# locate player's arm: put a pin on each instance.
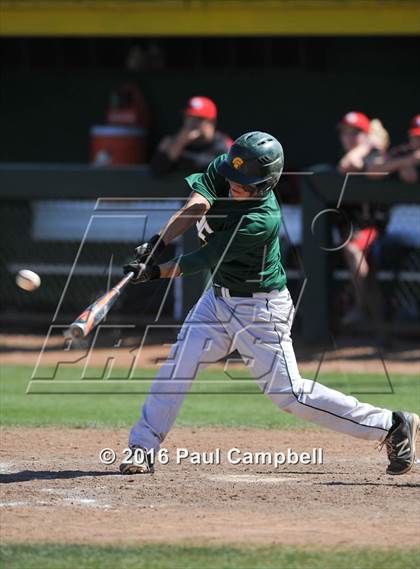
(149, 251)
(203, 194)
(389, 165)
(222, 246)
(184, 218)
(354, 160)
(145, 266)
(169, 270)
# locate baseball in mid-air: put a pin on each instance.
(28, 280)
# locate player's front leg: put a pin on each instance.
(201, 342)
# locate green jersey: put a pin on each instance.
(241, 237)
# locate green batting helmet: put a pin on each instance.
(255, 161)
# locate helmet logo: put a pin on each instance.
(237, 162)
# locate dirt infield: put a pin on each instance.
(54, 489)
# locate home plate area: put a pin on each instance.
(55, 489)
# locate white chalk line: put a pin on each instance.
(251, 478)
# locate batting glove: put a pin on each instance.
(142, 273)
(149, 251)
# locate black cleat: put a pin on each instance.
(400, 442)
(139, 462)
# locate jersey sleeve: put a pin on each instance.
(223, 246)
(209, 183)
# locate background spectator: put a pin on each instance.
(395, 249)
(363, 141)
(353, 133)
(404, 159)
(196, 144)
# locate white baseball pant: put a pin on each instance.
(259, 328)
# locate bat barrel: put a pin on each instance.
(97, 311)
(77, 331)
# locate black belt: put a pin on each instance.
(218, 292)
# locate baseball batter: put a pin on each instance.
(247, 308)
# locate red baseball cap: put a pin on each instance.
(201, 107)
(356, 120)
(414, 129)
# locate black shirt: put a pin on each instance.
(194, 158)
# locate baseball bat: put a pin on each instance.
(97, 311)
